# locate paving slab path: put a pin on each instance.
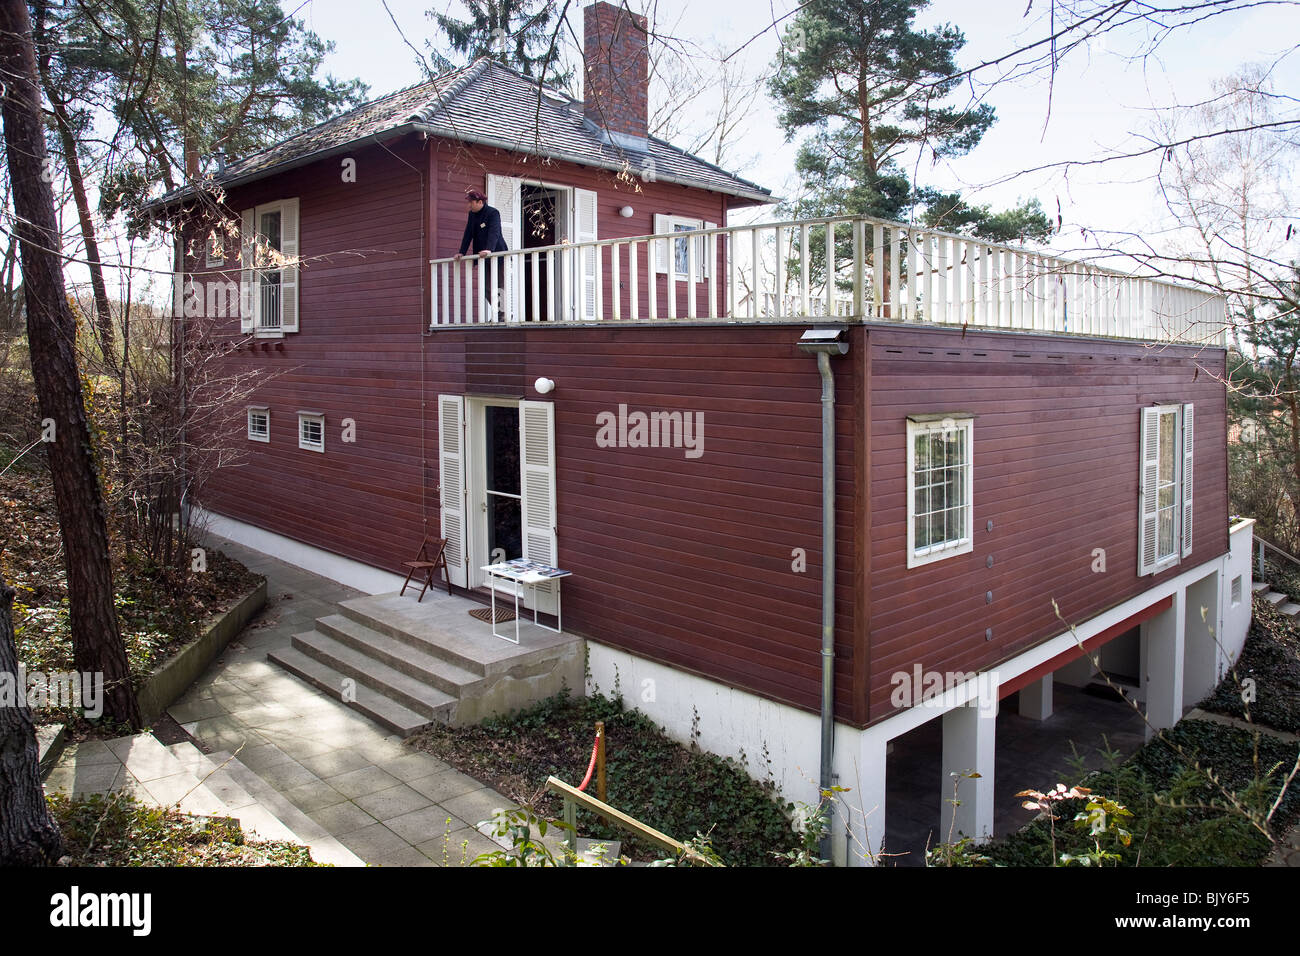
(299, 750)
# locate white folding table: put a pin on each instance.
(530, 574)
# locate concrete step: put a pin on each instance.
(401, 688)
(256, 821)
(163, 780)
(324, 848)
(385, 712)
(1274, 597)
(410, 636)
(1259, 586)
(1290, 608)
(403, 656)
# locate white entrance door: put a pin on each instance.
(495, 486)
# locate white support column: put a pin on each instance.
(863, 806)
(1162, 665)
(1200, 671)
(969, 736)
(1036, 699)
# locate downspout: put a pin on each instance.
(824, 343)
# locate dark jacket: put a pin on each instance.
(483, 232)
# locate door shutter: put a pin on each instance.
(584, 230)
(537, 482)
(662, 224)
(503, 194)
(289, 274)
(1148, 507)
(1187, 479)
(451, 478)
(247, 281)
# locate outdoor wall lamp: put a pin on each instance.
(544, 386)
(626, 212)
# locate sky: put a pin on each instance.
(1101, 100)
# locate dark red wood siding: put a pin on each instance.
(1055, 470)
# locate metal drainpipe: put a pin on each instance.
(824, 343)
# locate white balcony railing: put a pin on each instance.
(878, 270)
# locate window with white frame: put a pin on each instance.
(216, 254)
(311, 431)
(940, 479)
(259, 424)
(269, 267)
(1165, 501)
(680, 250)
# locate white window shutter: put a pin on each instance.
(505, 196)
(1148, 497)
(537, 482)
(709, 262)
(584, 230)
(1187, 479)
(289, 274)
(451, 478)
(662, 224)
(247, 277)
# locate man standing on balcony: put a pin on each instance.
(483, 230)
(483, 234)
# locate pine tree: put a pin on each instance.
(517, 33)
(872, 90)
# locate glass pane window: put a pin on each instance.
(939, 488)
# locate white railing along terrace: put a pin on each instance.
(879, 271)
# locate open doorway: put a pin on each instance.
(495, 495)
(545, 212)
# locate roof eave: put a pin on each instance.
(755, 196)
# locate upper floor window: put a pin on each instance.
(311, 431)
(940, 479)
(269, 259)
(216, 252)
(259, 423)
(1165, 527)
(680, 249)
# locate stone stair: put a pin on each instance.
(407, 664)
(196, 783)
(1278, 599)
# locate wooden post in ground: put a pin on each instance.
(600, 761)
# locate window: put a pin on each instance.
(940, 477)
(1165, 503)
(311, 431)
(216, 250)
(259, 424)
(1236, 590)
(680, 251)
(269, 254)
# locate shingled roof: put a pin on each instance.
(490, 104)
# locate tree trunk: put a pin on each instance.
(97, 643)
(28, 835)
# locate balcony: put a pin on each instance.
(835, 269)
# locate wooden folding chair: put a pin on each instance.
(427, 563)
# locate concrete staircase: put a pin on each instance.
(407, 665)
(1279, 600)
(196, 783)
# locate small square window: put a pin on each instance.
(259, 424)
(1236, 590)
(940, 496)
(311, 431)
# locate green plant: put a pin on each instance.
(518, 824)
(1102, 817)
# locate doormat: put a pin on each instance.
(484, 614)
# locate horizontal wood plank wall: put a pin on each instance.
(688, 561)
(1056, 471)
(357, 356)
(461, 167)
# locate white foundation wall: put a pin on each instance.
(308, 557)
(1235, 616)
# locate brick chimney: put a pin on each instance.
(617, 67)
